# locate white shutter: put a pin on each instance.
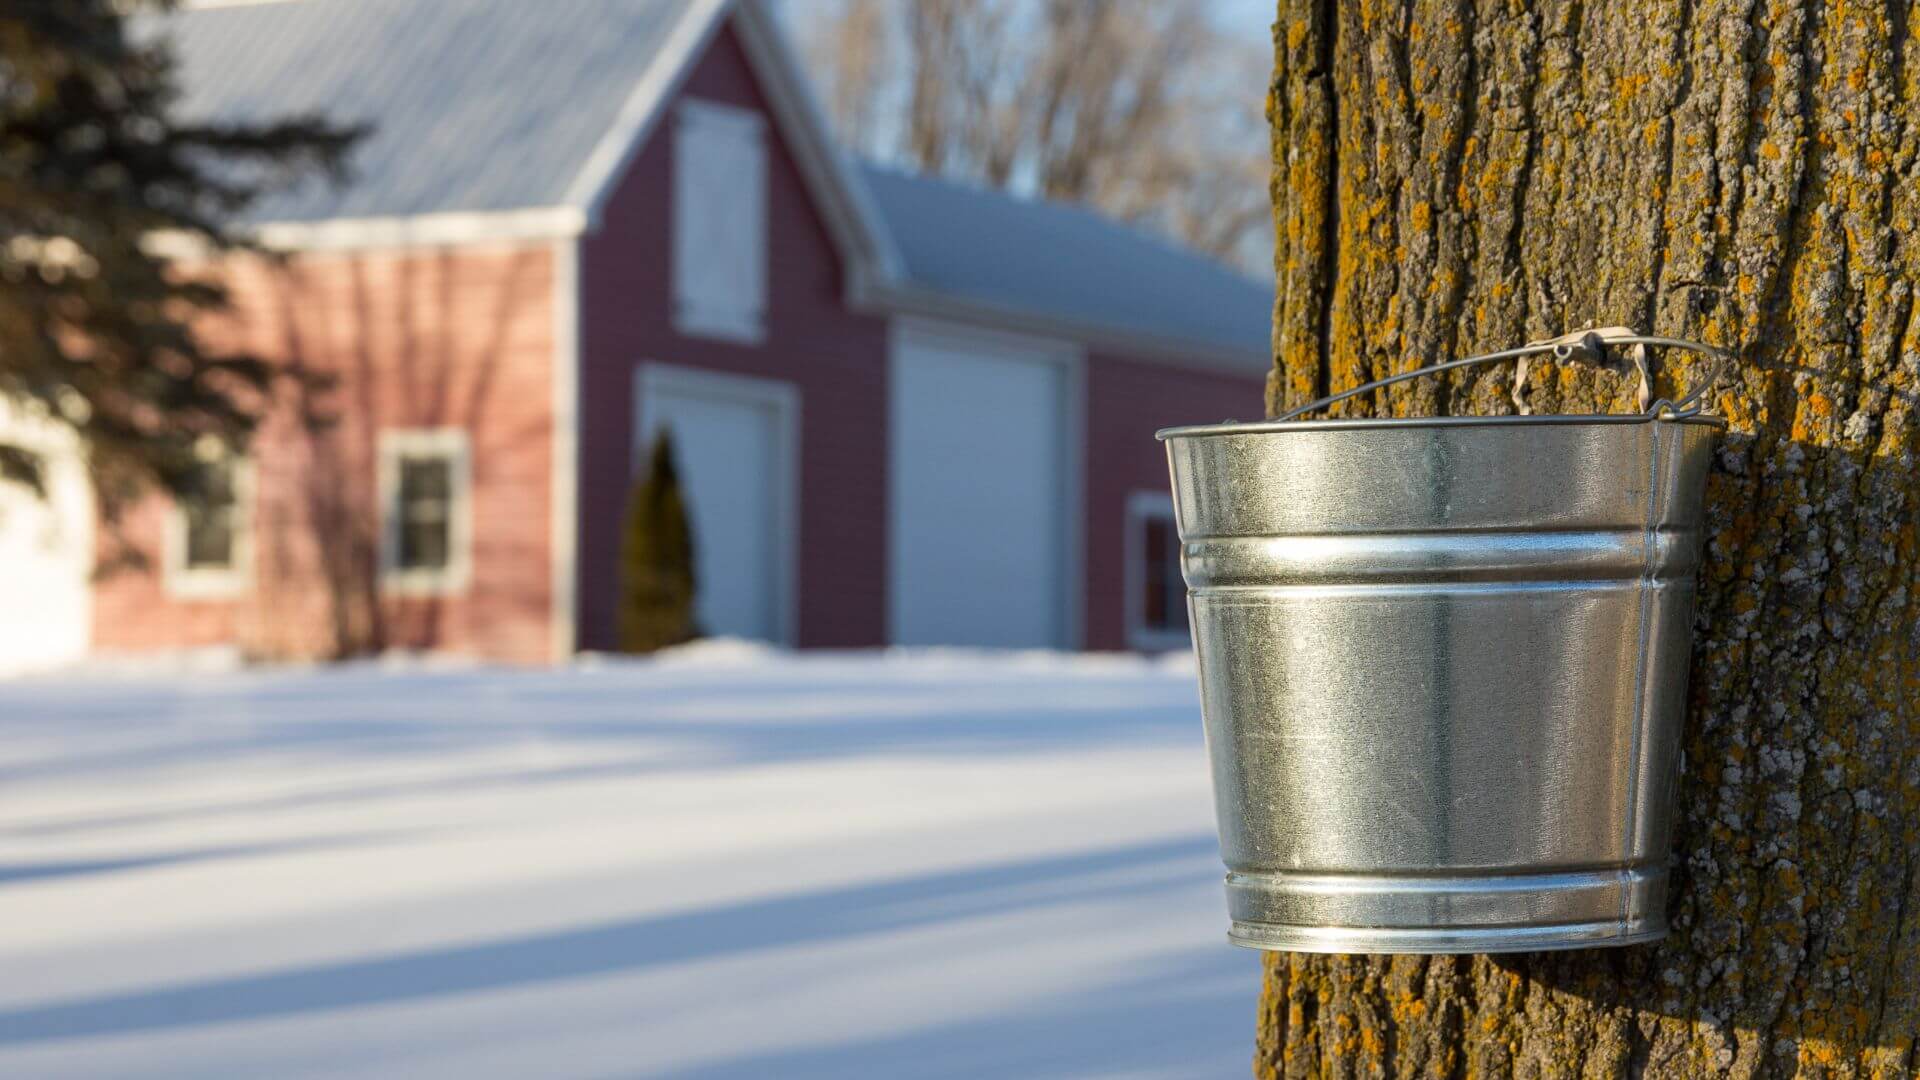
(719, 222)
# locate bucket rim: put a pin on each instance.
(1277, 427)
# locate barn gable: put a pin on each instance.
(781, 430)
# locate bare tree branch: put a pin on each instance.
(1146, 111)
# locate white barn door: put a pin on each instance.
(735, 440)
(984, 491)
(46, 552)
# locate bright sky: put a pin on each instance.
(1255, 17)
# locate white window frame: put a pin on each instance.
(457, 446)
(781, 398)
(208, 582)
(742, 322)
(1142, 507)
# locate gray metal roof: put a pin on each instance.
(1062, 261)
(494, 105)
(477, 105)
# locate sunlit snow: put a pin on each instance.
(728, 863)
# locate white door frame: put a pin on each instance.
(782, 399)
(903, 334)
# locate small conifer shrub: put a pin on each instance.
(657, 580)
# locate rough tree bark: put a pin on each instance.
(1452, 176)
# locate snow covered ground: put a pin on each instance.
(728, 863)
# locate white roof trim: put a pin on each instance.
(685, 44)
(836, 185)
(913, 300)
(419, 230)
(538, 223)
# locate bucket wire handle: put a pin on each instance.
(1592, 343)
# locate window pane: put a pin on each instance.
(423, 546)
(209, 540)
(425, 513)
(1163, 595)
(425, 478)
(1153, 607)
(210, 512)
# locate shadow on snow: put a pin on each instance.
(638, 944)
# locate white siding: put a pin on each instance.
(719, 222)
(46, 552)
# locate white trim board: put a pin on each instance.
(914, 303)
(838, 193)
(419, 230)
(564, 446)
(782, 399)
(686, 43)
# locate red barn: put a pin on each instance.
(906, 411)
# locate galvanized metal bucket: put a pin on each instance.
(1443, 666)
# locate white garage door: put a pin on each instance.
(46, 553)
(734, 440)
(981, 486)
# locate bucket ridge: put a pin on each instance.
(1439, 556)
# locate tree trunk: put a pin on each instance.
(1454, 177)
